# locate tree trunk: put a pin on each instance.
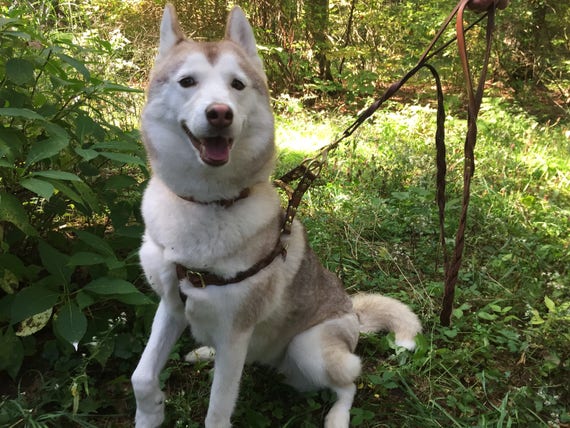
(316, 23)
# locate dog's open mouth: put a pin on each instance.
(214, 151)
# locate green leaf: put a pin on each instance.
(23, 113)
(11, 210)
(135, 299)
(486, 316)
(96, 242)
(40, 187)
(84, 258)
(11, 353)
(536, 318)
(57, 175)
(550, 304)
(119, 182)
(34, 324)
(31, 301)
(110, 286)
(121, 146)
(84, 299)
(47, 148)
(70, 324)
(20, 71)
(124, 158)
(55, 263)
(70, 193)
(78, 65)
(86, 154)
(90, 199)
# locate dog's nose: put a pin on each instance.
(219, 115)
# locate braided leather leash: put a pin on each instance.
(308, 171)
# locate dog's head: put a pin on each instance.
(208, 110)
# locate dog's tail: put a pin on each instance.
(376, 312)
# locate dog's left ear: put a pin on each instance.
(170, 31)
(239, 31)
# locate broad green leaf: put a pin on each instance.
(486, 316)
(34, 324)
(109, 286)
(84, 258)
(121, 146)
(70, 324)
(70, 193)
(78, 65)
(95, 242)
(536, 318)
(118, 182)
(84, 299)
(90, 199)
(20, 71)
(101, 350)
(31, 301)
(11, 210)
(114, 87)
(135, 299)
(550, 304)
(87, 154)
(55, 130)
(55, 263)
(47, 148)
(11, 353)
(14, 264)
(12, 142)
(23, 113)
(123, 158)
(57, 175)
(40, 187)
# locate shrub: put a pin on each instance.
(70, 186)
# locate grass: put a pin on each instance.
(372, 219)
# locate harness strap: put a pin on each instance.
(201, 279)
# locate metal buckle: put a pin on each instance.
(196, 278)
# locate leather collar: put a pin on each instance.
(225, 203)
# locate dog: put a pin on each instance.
(213, 249)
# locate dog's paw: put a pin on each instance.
(150, 405)
(146, 419)
(217, 422)
(205, 353)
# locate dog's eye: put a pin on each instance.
(238, 84)
(187, 82)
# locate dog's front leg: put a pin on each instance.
(167, 326)
(228, 368)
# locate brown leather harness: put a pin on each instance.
(308, 171)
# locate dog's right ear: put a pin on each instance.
(170, 32)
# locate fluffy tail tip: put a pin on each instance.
(409, 344)
(377, 312)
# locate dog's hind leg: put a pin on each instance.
(322, 357)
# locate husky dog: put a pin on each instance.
(213, 248)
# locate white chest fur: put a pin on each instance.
(209, 237)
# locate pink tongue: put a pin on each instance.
(216, 149)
